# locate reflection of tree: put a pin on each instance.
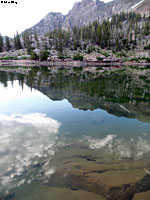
(114, 89)
(20, 78)
(4, 78)
(89, 91)
(10, 76)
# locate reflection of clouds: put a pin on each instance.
(100, 143)
(24, 140)
(120, 148)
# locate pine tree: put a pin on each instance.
(147, 28)
(36, 39)
(27, 42)
(7, 44)
(17, 42)
(1, 43)
(123, 31)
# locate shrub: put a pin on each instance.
(105, 54)
(78, 57)
(34, 56)
(44, 55)
(61, 56)
(135, 59)
(99, 58)
(147, 47)
(147, 59)
(121, 54)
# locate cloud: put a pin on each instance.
(120, 148)
(24, 141)
(100, 143)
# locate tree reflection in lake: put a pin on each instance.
(90, 139)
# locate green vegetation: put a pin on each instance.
(43, 55)
(17, 42)
(134, 59)
(99, 58)
(147, 47)
(78, 57)
(147, 59)
(138, 59)
(121, 54)
(1, 43)
(111, 37)
(61, 55)
(104, 53)
(124, 84)
(9, 58)
(7, 44)
(34, 56)
(122, 32)
(27, 41)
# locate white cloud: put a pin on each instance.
(120, 148)
(100, 143)
(24, 140)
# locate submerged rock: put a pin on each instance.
(9, 196)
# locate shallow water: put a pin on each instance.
(73, 135)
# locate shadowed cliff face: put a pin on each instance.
(121, 93)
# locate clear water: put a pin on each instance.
(55, 125)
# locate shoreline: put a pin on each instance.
(35, 63)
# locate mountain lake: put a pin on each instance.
(72, 134)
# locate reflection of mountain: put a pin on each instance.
(119, 93)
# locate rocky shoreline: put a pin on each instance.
(36, 63)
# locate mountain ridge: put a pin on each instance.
(84, 13)
(144, 8)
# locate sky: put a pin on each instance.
(26, 13)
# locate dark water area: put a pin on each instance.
(74, 134)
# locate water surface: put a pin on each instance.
(74, 134)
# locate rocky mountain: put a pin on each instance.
(143, 7)
(86, 12)
(124, 5)
(50, 22)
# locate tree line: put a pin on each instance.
(122, 31)
(7, 43)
